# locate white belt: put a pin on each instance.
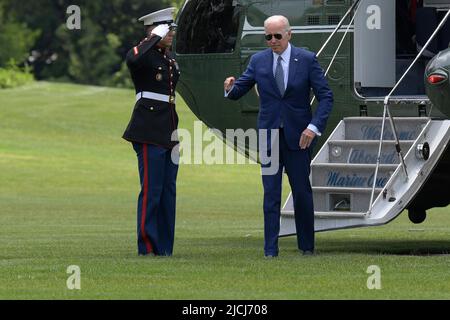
(155, 96)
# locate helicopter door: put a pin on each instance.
(207, 50)
(374, 47)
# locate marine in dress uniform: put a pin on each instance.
(155, 73)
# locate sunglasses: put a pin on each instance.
(277, 36)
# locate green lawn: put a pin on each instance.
(68, 190)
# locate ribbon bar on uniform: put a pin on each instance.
(155, 96)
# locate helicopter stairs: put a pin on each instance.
(343, 171)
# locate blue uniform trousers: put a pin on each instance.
(156, 202)
(297, 164)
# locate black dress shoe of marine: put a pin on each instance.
(308, 253)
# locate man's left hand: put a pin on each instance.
(306, 138)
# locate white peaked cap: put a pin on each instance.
(158, 17)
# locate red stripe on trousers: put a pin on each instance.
(148, 245)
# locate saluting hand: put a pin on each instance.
(161, 30)
(306, 138)
(229, 83)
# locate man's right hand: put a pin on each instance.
(229, 83)
(161, 30)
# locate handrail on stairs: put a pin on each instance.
(338, 27)
(353, 6)
(387, 112)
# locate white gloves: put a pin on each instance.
(161, 30)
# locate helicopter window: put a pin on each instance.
(313, 20)
(208, 26)
(334, 19)
(335, 2)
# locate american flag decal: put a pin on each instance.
(135, 49)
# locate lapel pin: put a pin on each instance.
(295, 59)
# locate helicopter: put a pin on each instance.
(385, 148)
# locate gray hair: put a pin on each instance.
(278, 18)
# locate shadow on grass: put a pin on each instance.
(386, 246)
(253, 246)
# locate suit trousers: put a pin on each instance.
(297, 165)
(157, 199)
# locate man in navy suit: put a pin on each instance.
(285, 76)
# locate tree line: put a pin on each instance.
(35, 34)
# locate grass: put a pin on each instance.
(68, 190)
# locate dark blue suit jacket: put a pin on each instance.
(293, 108)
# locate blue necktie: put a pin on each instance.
(279, 76)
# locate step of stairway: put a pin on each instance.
(365, 151)
(347, 175)
(328, 199)
(369, 128)
(328, 214)
(340, 214)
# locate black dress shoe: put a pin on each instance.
(308, 253)
(269, 256)
(150, 254)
